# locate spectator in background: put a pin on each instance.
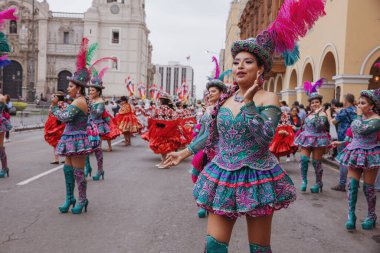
(7, 115)
(284, 107)
(343, 120)
(295, 122)
(302, 112)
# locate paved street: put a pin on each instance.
(142, 209)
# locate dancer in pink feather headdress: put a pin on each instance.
(244, 178)
(313, 137)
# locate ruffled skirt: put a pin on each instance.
(243, 192)
(164, 136)
(5, 125)
(53, 131)
(360, 158)
(114, 131)
(128, 123)
(103, 127)
(283, 145)
(74, 144)
(306, 140)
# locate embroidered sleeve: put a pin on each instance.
(262, 123)
(368, 127)
(66, 115)
(98, 110)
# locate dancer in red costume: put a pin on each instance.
(114, 130)
(53, 127)
(127, 120)
(283, 141)
(164, 134)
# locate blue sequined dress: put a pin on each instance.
(96, 112)
(244, 177)
(314, 133)
(5, 124)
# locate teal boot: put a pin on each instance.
(370, 222)
(213, 246)
(352, 195)
(88, 168)
(70, 182)
(255, 248)
(304, 166)
(317, 164)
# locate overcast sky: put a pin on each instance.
(179, 28)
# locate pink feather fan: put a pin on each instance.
(217, 69)
(294, 19)
(8, 14)
(313, 87)
(102, 72)
(82, 55)
(102, 60)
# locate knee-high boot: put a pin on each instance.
(70, 183)
(88, 168)
(255, 248)
(82, 190)
(99, 159)
(304, 166)
(317, 164)
(214, 246)
(369, 192)
(352, 197)
(4, 163)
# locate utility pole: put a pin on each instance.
(32, 61)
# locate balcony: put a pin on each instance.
(63, 49)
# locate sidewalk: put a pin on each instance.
(30, 122)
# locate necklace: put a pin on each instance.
(238, 99)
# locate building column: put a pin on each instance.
(353, 84)
(41, 84)
(301, 96)
(327, 91)
(289, 96)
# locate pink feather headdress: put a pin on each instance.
(311, 88)
(217, 69)
(8, 14)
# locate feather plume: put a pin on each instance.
(91, 52)
(4, 45)
(4, 61)
(95, 73)
(307, 86)
(224, 74)
(293, 21)
(102, 72)
(82, 55)
(101, 60)
(291, 57)
(310, 88)
(8, 14)
(217, 69)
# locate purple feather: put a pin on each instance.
(317, 85)
(217, 69)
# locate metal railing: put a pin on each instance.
(30, 119)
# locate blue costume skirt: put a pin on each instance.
(243, 192)
(74, 144)
(359, 158)
(307, 140)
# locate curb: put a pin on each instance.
(28, 128)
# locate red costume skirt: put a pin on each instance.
(53, 131)
(128, 123)
(114, 130)
(164, 136)
(187, 130)
(283, 145)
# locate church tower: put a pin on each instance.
(120, 29)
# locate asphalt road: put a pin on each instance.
(139, 208)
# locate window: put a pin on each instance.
(176, 70)
(161, 71)
(115, 64)
(111, 1)
(168, 81)
(183, 75)
(66, 38)
(115, 36)
(13, 27)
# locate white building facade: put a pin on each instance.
(118, 26)
(170, 77)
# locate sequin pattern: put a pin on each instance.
(314, 133)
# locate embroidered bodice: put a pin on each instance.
(75, 119)
(97, 111)
(203, 133)
(125, 108)
(243, 140)
(316, 125)
(364, 134)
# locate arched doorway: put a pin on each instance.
(307, 74)
(12, 80)
(328, 70)
(278, 85)
(293, 80)
(63, 83)
(374, 82)
(271, 85)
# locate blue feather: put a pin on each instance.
(225, 73)
(291, 57)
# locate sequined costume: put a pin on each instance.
(244, 178)
(96, 112)
(54, 128)
(127, 120)
(5, 125)
(74, 140)
(164, 134)
(314, 133)
(283, 141)
(363, 149)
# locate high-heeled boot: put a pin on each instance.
(88, 168)
(317, 164)
(70, 183)
(304, 166)
(4, 163)
(82, 189)
(255, 248)
(352, 197)
(99, 159)
(214, 246)
(370, 221)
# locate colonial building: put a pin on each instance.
(342, 47)
(118, 26)
(170, 77)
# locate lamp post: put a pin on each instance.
(32, 61)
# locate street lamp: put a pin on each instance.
(32, 60)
